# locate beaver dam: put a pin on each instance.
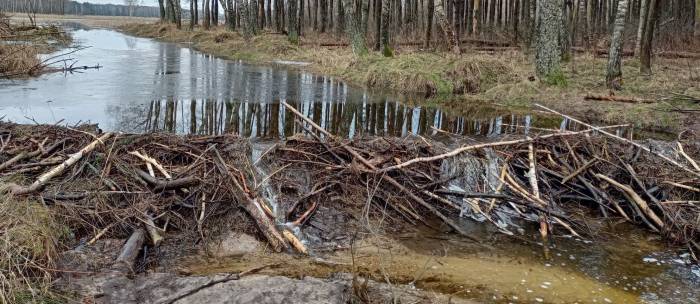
(542, 215)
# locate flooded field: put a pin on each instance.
(149, 86)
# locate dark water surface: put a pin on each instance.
(146, 85)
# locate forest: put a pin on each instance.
(554, 28)
(70, 7)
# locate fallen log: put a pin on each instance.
(162, 185)
(132, 247)
(625, 99)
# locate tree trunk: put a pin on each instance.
(429, 22)
(447, 28)
(648, 37)
(292, 30)
(640, 27)
(589, 23)
(196, 12)
(475, 18)
(354, 29)
(387, 51)
(161, 6)
(206, 22)
(613, 77)
(548, 48)
(246, 24)
(231, 22)
(191, 15)
(377, 25)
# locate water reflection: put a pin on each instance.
(273, 121)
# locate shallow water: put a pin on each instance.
(146, 85)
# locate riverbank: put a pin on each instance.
(113, 217)
(504, 78)
(22, 44)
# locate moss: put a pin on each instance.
(387, 51)
(556, 78)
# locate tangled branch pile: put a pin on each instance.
(142, 186)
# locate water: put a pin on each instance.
(146, 86)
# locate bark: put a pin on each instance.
(429, 22)
(547, 44)
(447, 28)
(161, 6)
(191, 15)
(613, 78)
(377, 25)
(230, 15)
(387, 51)
(206, 23)
(648, 36)
(354, 29)
(640, 27)
(589, 23)
(475, 18)
(245, 19)
(292, 26)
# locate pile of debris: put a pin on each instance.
(144, 185)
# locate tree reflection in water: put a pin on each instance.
(272, 121)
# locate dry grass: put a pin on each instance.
(29, 243)
(4, 24)
(18, 59)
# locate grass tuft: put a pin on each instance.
(29, 242)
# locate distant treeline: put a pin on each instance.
(66, 7)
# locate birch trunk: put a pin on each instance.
(613, 77)
(547, 44)
(643, 9)
(354, 29)
(447, 28)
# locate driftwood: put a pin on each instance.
(130, 250)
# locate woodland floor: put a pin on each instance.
(502, 78)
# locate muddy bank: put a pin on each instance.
(315, 205)
(505, 78)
